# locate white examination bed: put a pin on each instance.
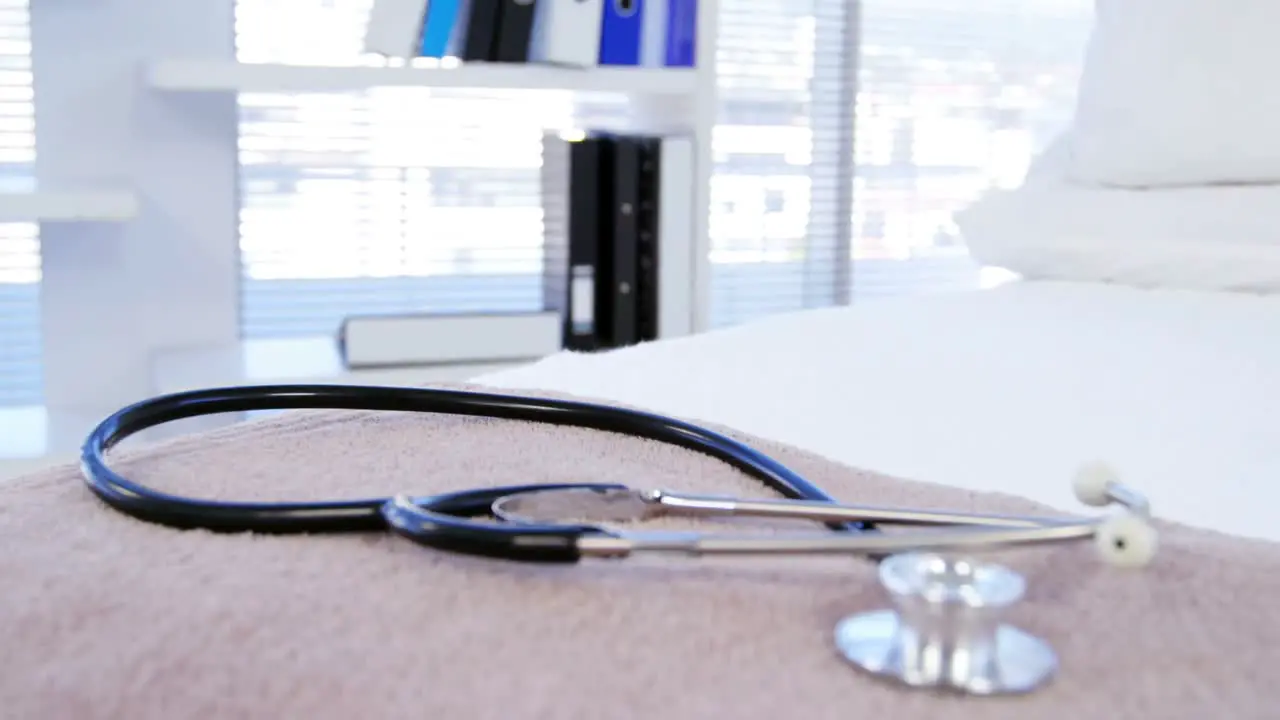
(1004, 390)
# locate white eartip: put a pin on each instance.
(1092, 483)
(1126, 541)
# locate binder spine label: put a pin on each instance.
(582, 300)
(653, 34)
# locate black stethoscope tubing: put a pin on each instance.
(162, 508)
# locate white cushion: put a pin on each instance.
(1180, 92)
(1192, 238)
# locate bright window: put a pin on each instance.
(20, 377)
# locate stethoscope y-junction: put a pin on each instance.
(945, 631)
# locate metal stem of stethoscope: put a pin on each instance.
(696, 543)
(1126, 539)
(944, 630)
(706, 505)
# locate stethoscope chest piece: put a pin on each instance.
(945, 630)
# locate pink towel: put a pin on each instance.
(103, 616)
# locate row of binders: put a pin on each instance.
(618, 263)
(625, 225)
(575, 33)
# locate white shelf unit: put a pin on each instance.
(159, 115)
(35, 206)
(182, 75)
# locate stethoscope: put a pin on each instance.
(945, 631)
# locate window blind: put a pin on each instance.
(413, 199)
(389, 200)
(784, 83)
(913, 108)
(847, 134)
(20, 348)
(954, 98)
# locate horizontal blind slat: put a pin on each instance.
(385, 200)
(774, 90)
(954, 100)
(21, 377)
(352, 188)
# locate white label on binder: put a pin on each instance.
(582, 299)
(653, 33)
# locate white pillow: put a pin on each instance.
(1217, 238)
(1180, 92)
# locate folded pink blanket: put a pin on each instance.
(103, 616)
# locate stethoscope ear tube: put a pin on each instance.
(223, 517)
(365, 514)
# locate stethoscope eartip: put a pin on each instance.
(1126, 541)
(1093, 482)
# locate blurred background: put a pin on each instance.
(926, 104)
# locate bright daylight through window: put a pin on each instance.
(411, 199)
(838, 164)
(20, 378)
